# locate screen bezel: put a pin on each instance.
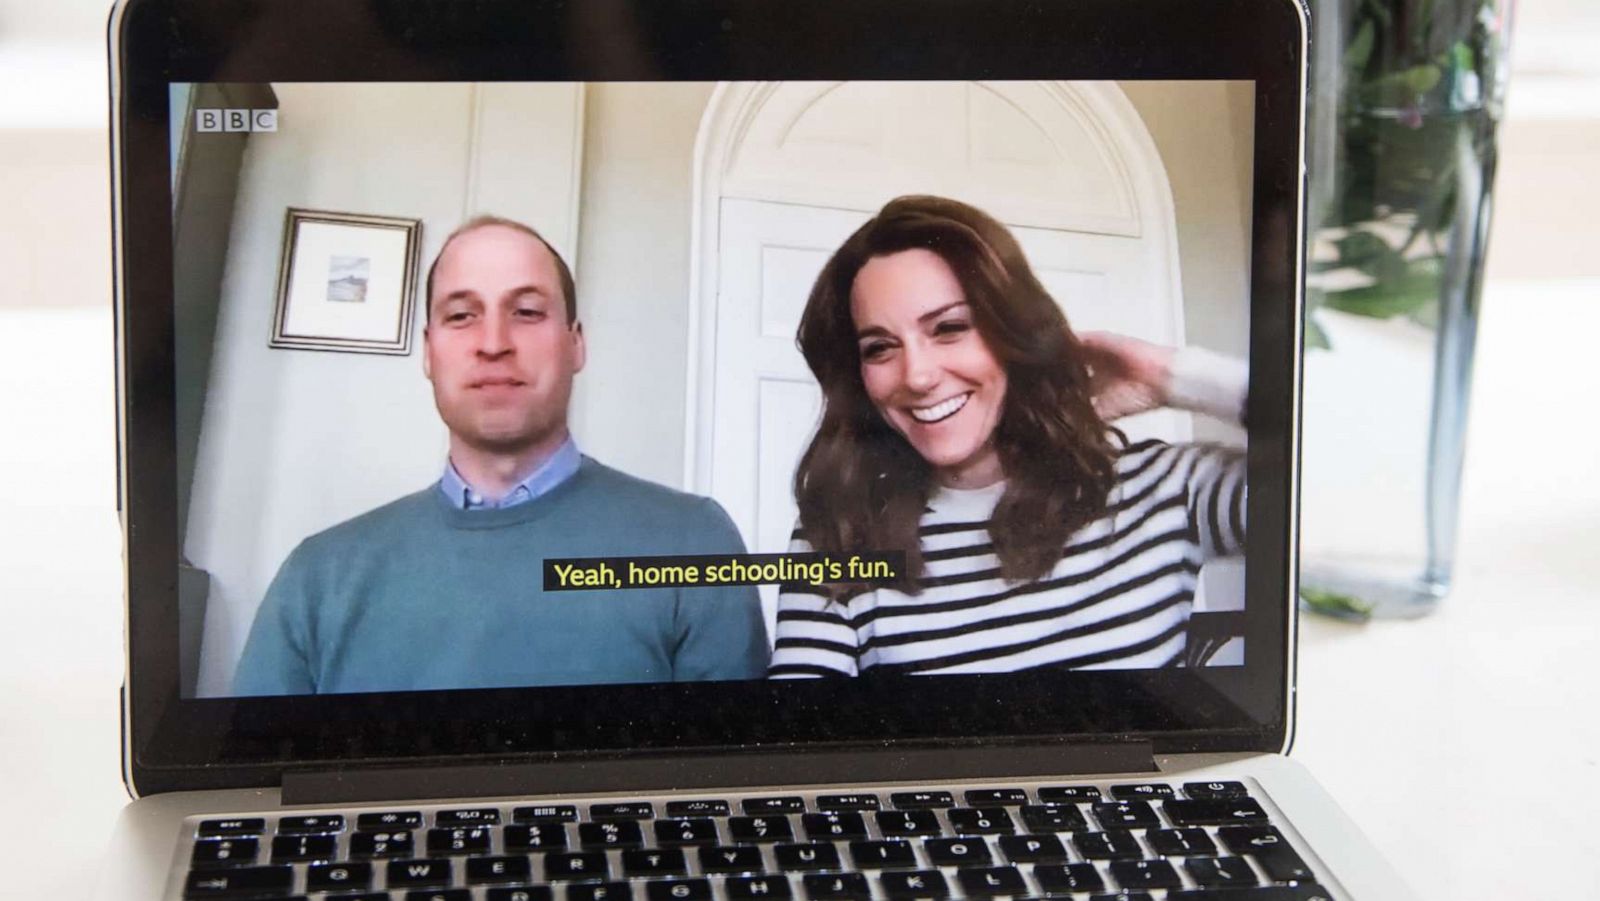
(175, 744)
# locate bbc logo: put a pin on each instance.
(208, 120)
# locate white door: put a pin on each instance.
(765, 402)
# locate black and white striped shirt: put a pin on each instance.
(1119, 597)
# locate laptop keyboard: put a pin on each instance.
(1149, 841)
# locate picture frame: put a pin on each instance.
(346, 282)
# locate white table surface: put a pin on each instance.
(1459, 740)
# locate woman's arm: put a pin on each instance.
(812, 636)
(1130, 376)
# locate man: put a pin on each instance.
(444, 588)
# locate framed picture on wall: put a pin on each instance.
(347, 282)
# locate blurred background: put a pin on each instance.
(1455, 740)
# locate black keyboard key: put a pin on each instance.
(731, 859)
(224, 852)
(980, 821)
(1221, 872)
(382, 844)
(475, 816)
(577, 865)
(1054, 818)
(1283, 865)
(249, 826)
(1221, 812)
(678, 890)
(914, 884)
(286, 848)
(1126, 815)
(699, 831)
(882, 855)
(760, 829)
(1180, 842)
(807, 857)
(1265, 893)
(760, 806)
(546, 813)
(1072, 877)
(418, 873)
(390, 820)
(838, 825)
(654, 862)
(991, 882)
(519, 893)
(486, 870)
(613, 834)
(468, 840)
(1131, 874)
(836, 887)
(244, 882)
(908, 822)
(631, 810)
(326, 822)
(441, 894)
(1067, 794)
(698, 808)
(990, 797)
(360, 896)
(536, 837)
(957, 852)
(922, 800)
(1143, 791)
(1201, 791)
(338, 877)
(757, 888)
(847, 802)
(1251, 839)
(1114, 844)
(599, 891)
(1122, 896)
(1033, 848)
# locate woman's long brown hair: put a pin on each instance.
(861, 486)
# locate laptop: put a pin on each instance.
(692, 450)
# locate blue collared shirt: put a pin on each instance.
(552, 472)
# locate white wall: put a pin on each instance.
(634, 293)
(295, 441)
(1205, 132)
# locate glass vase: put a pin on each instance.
(1402, 194)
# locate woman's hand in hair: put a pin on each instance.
(1126, 375)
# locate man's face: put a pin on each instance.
(499, 349)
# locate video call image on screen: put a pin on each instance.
(497, 385)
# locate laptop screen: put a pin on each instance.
(531, 384)
(481, 402)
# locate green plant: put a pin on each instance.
(1412, 108)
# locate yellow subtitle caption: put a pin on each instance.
(815, 570)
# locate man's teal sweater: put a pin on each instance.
(419, 595)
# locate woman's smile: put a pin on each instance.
(940, 411)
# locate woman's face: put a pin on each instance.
(926, 369)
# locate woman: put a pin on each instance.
(966, 425)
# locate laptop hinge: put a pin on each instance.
(732, 771)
